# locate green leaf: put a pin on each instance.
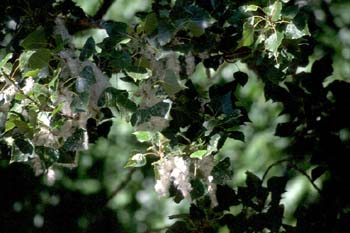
(250, 8)
(195, 28)
(80, 102)
(137, 160)
(39, 59)
(143, 115)
(116, 29)
(197, 189)
(292, 32)
(116, 98)
(143, 136)
(236, 135)
(151, 23)
(172, 84)
(248, 34)
(32, 73)
(24, 146)
(222, 171)
(198, 154)
(276, 186)
(253, 181)
(275, 10)
(47, 154)
(5, 59)
(215, 143)
(74, 142)
(178, 227)
(85, 80)
(273, 42)
(138, 73)
(88, 49)
(35, 40)
(57, 108)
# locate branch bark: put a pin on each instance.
(103, 9)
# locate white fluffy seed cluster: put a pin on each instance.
(206, 165)
(173, 169)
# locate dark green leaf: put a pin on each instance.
(236, 135)
(196, 213)
(178, 227)
(197, 189)
(85, 80)
(116, 98)
(151, 23)
(24, 146)
(222, 172)
(143, 115)
(75, 142)
(322, 68)
(80, 102)
(88, 49)
(116, 29)
(276, 186)
(47, 154)
(285, 129)
(253, 181)
(39, 59)
(35, 40)
(317, 172)
(226, 197)
(241, 77)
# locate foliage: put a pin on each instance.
(57, 99)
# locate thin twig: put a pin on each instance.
(295, 167)
(308, 177)
(272, 165)
(121, 185)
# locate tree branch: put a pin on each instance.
(103, 9)
(271, 166)
(121, 186)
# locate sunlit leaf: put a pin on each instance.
(273, 42)
(5, 59)
(292, 32)
(198, 154)
(250, 8)
(138, 73)
(137, 160)
(274, 10)
(143, 136)
(248, 34)
(32, 73)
